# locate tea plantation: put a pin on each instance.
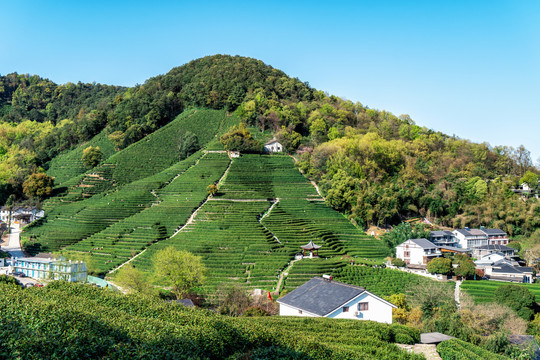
(68, 321)
(484, 290)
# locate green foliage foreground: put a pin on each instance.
(70, 321)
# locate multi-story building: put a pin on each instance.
(496, 236)
(443, 238)
(417, 251)
(53, 269)
(470, 238)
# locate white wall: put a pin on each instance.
(416, 253)
(285, 310)
(377, 310)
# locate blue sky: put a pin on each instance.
(469, 68)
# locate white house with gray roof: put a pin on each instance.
(470, 238)
(332, 299)
(417, 251)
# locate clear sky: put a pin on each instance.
(469, 68)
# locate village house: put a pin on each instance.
(417, 251)
(470, 238)
(497, 267)
(273, 146)
(484, 250)
(324, 297)
(54, 269)
(496, 236)
(443, 238)
(25, 215)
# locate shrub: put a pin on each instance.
(397, 262)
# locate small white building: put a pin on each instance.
(321, 297)
(25, 215)
(53, 269)
(470, 238)
(417, 251)
(273, 146)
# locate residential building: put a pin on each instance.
(497, 267)
(417, 251)
(470, 238)
(273, 146)
(54, 269)
(484, 250)
(496, 236)
(443, 238)
(25, 215)
(323, 297)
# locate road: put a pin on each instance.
(14, 244)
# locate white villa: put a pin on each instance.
(417, 251)
(54, 269)
(273, 146)
(323, 297)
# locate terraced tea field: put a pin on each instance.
(484, 290)
(176, 202)
(234, 246)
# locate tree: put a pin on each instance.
(180, 269)
(38, 185)
(530, 179)
(212, 189)
(518, 298)
(233, 300)
(465, 268)
(132, 280)
(187, 144)
(91, 156)
(397, 262)
(239, 138)
(440, 266)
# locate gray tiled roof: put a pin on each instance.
(493, 232)
(477, 232)
(424, 243)
(464, 232)
(440, 233)
(495, 248)
(509, 269)
(320, 297)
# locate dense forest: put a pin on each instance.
(376, 167)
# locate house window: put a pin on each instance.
(407, 254)
(363, 306)
(300, 312)
(345, 309)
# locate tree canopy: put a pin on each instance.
(179, 269)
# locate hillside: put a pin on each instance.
(374, 166)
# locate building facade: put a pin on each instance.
(53, 269)
(417, 251)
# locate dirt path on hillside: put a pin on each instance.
(189, 221)
(428, 350)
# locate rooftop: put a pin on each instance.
(493, 232)
(424, 243)
(320, 297)
(496, 248)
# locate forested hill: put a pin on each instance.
(377, 167)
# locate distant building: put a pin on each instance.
(25, 215)
(321, 297)
(484, 250)
(54, 269)
(470, 238)
(417, 251)
(497, 267)
(496, 236)
(273, 146)
(443, 238)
